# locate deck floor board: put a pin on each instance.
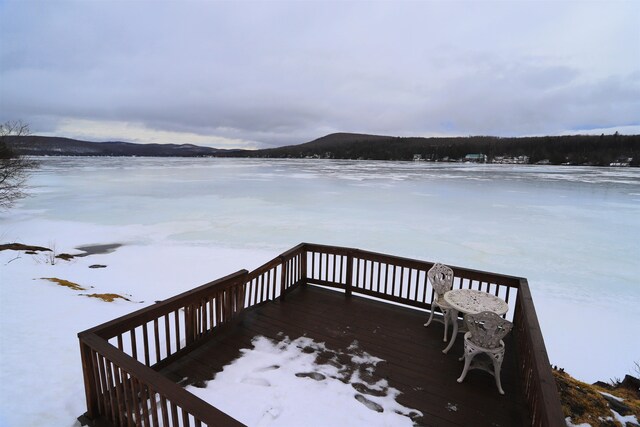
(413, 361)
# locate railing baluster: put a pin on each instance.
(335, 257)
(185, 419)
(174, 414)
(326, 268)
(154, 407)
(134, 348)
(262, 290)
(128, 398)
(393, 280)
(101, 386)
(144, 398)
(424, 289)
(203, 316)
(145, 342)
(119, 398)
(176, 320)
(348, 283)
(97, 379)
(113, 403)
(167, 333)
(156, 340)
(135, 406)
(386, 278)
(164, 411)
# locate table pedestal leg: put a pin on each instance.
(453, 318)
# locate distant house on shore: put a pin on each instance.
(475, 158)
(622, 162)
(517, 160)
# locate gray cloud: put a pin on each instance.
(275, 73)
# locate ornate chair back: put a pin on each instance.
(441, 278)
(487, 329)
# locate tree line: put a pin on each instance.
(596, 150)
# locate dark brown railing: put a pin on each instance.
(121, 358)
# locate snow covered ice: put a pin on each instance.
(574, 232)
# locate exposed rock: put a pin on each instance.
(97, 266)
(617, 405)
(631, 383)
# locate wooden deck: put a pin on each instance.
(413, 359)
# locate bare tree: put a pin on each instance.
(14, 169)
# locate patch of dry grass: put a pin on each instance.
(21, 247)
(584, 403)
(107, 297)
(66, 283)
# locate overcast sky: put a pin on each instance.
(258, 74)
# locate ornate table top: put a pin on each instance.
(474, 301)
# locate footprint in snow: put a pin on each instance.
(269, 416)
(313, 375)
(368, 403)
(256, 381)
(267, 368)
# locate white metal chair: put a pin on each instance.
(441, 278)
(486, 331)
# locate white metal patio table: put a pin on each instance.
(471, 301)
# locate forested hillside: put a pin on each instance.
(593, 150)
(579, 149)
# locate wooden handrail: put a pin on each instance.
(122, 324)
(512, 281)
(540, 390)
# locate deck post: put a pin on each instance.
(349, 281)
(189, 320)
(283, 277)
(89, 381)
(303, 266)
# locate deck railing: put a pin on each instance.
(404, 281)
(121, 358)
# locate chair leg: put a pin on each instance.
(467, 361)
(445, 314)
(430, 317)
(497, 365)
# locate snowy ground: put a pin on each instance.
(573, 234)
(40, 320)
(40, 371)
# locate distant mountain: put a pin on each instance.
(54, 146)
(596, 150)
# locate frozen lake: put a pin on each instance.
(574, 232)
